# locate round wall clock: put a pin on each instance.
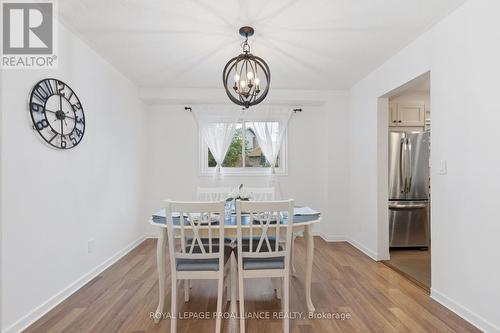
(57, 113)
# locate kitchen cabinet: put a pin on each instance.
(406, 114)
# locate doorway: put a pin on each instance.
(408, 180)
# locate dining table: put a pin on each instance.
(303, 220)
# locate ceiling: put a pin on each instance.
(308, 44)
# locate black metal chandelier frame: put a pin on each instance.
(250, 94)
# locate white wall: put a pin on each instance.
(335, 226)
(463, 58)
(317, 151)
(53, 201)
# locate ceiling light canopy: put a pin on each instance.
(246, 77)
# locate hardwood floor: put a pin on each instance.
(376, 298)
(414, 264)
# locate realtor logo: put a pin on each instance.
(28, 34)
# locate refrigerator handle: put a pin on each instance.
(410, 164)
(402, 169)
(407, 206)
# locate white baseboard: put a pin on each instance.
(364, 249)
(152, 235)
(52, 302)
(330, 238)
(463, 312)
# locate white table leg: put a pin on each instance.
(232, 325)
(234, 284)
(309, 263)
(292, 255)
(160, 261)
(277, 284)
(186, 290)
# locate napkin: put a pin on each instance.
(304, 211)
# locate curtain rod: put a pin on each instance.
(188, 108)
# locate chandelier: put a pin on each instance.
(246, 77)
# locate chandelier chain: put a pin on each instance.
(245, 46)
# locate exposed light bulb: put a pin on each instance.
(243, 83)
(250, 75)
(256, 81)
(236, 77)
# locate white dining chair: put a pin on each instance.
(212, 193)
(269, 194)
(209, 194)
(193, 255)
(260, 250)
(262, 193)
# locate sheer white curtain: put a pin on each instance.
(217, 126)
(269, 125)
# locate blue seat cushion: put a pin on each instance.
(202, 264)
(261, 263)
(197, 264)
(264, 263)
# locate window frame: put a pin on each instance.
(205, 170)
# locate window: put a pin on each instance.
(244, 155)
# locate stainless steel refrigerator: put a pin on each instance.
(409, 213)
